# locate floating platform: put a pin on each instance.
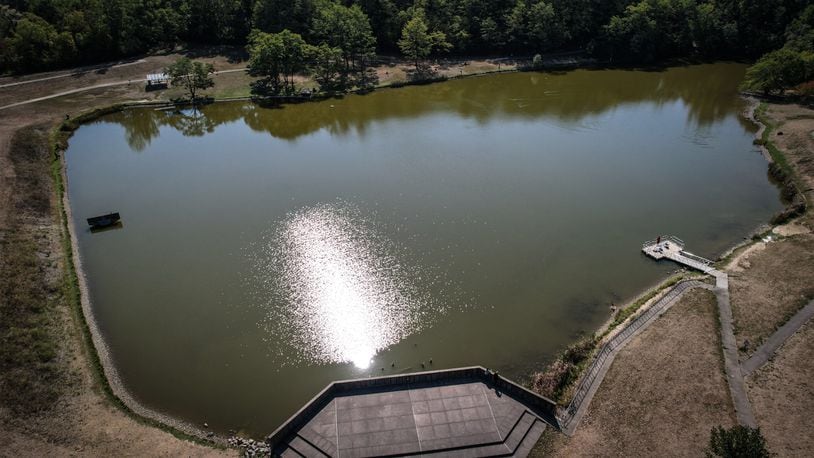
(467, 412)
(102, 221)
(672, 248)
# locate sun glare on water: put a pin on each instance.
(340, 290)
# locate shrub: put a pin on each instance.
(736, 442)
(559, 375)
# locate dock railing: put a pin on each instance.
(697, 258)
(665, 238)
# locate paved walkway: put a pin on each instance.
(737, 386)
(766, 351)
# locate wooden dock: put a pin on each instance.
(672, 248)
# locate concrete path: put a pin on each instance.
(737, 387)
(766, 351)
(96, 86)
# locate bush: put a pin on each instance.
(559, 375)
(736, 442)
(806, 90)
(580, 351)
(550, 383)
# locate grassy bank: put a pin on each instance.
(781, 171)
(30, 372)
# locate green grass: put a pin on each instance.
(765, 139)
(781, 171)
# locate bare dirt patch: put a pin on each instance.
(782, 394)
(663, 393)
(769, 285)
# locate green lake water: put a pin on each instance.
(484, 221)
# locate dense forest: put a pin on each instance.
(44, 34)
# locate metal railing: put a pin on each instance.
(665, 238)
(617, 341)
(696, 258)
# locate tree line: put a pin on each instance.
(791, 66)
(44, 34)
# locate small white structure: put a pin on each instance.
(157, 81)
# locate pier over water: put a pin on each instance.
(671, 247)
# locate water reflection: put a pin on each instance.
(709, 92)
(339, 292)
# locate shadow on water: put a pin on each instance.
(100, 229)
(709, 95)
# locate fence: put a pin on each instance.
(665, 238)
(696, 258)
(617, 341)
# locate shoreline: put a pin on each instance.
(110, 374)
(729, 256)
(108, 371)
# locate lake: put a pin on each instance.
(484, 221)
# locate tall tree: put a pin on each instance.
(31, 45)
(533, 26)
(276, 58)
(780, 70)
(194, 76)
(417, 42)
(348, 29)
(274, 16)
(327, 65)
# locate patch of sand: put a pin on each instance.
(782, 395)
(662, 395)
(787, 230)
